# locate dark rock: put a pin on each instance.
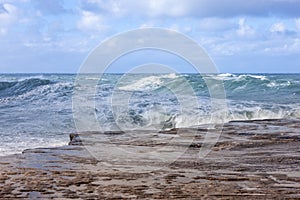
(75, 139)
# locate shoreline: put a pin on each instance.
(167, 130)
(258, 159)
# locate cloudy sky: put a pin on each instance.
(240, 36)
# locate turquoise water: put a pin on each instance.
(36, 109)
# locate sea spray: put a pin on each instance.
(36, 109)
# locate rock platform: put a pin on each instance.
(251, 160)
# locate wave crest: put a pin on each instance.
(20, 87)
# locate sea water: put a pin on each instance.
(36, 109)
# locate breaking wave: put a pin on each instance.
(40, 106)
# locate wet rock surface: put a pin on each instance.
(252, 160)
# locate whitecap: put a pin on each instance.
(273, 84)
(261, 77)
(148, 83)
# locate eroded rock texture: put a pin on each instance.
(251, 160)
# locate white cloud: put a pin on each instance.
(297, 21)
(215, 24)
(295, 47)
(244, 29)
(153, 8)
(8, 16)
(174, 8)
(115, 7)
(3, 31)
(147, 25)
(180, 28)
(52, 7)
(175, 27)
(283, 47)
(278, 28)
(91, 21)
(198, 8)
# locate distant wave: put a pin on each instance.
(148, 83)
(244, 86)
(18, 87)
(35, 88)
(242, 77)
(5, 85)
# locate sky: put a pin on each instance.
(253, 36)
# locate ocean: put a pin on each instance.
(36, 109)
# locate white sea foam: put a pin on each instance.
(224, 77)
(42, 77)
(25, 143)
(148, 83)
(274, 84)
(171, 76)
(261, 77)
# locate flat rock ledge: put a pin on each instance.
(251, 160)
